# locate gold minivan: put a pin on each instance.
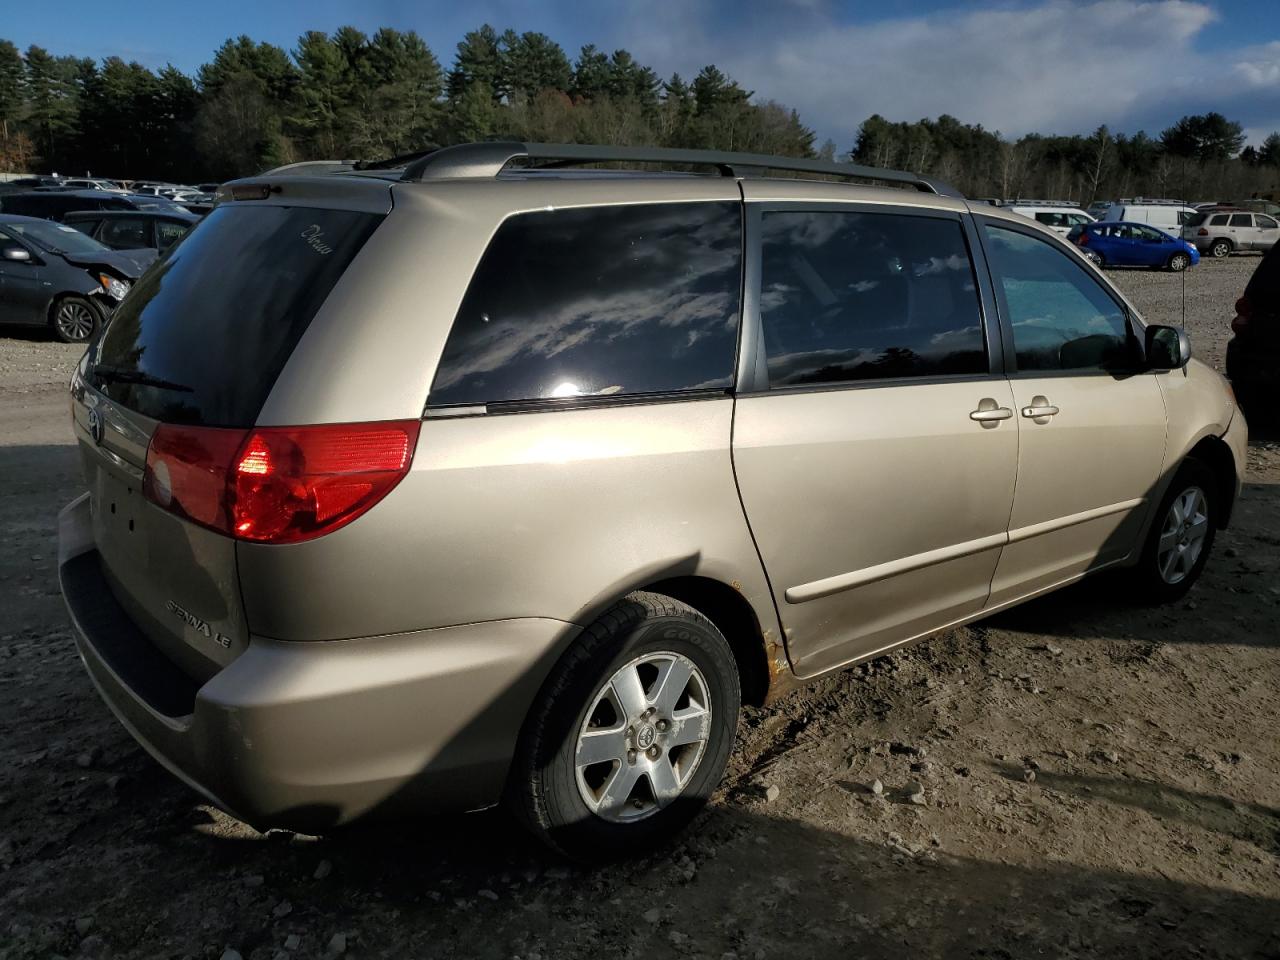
(480, 478)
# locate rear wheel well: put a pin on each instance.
(1216, 455)
(729, 610)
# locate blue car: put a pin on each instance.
(1119, 243)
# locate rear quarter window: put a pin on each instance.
(599, 302)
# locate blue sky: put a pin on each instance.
(1056, 66)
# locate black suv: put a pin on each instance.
(1253, 355)
(133, 229)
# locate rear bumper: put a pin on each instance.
(312, 735)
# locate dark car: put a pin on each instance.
(53, 275)
(133, 229)
(56, 204)
(1253, 355)
(1122, 243)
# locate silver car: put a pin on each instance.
(1221, 233)
(480, 479)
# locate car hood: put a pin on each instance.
(129, 263)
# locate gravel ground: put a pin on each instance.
(1096, 780)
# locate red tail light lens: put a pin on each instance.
(1083, 239)
(277, 484)
(1202, 232)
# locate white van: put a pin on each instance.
(1169, 216)
(1058, 217)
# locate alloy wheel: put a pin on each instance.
(643, 737)
(1182, 535)
(74, 320)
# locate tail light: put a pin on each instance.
(1083, 239)
(276, 484)
(1244, 309)
(1202, 232)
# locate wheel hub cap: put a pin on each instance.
(643, 737)
(1182, 535)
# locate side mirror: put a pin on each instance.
(17, 254)
(1167, 348)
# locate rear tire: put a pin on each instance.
(1221, 249)
(620, 694)
(1179, 262)
(74, 319)
(1181, 536)
(1095, 258)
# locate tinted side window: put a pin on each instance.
(1241, 220)
(1264, 223)
(1061, 318)
(599, 301)
(1219, 221)
(127, 233)
(865, 296)
(167, 233)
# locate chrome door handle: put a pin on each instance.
(989, 414)
(1040, 408)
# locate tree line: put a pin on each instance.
(350, 95)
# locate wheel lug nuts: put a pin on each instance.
(631, 756)
(662, 725)
(654, 752)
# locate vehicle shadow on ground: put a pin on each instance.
(1233, 818)
(742, 883)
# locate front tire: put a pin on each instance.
(629, 735)
(74, 319)
(1181, 536)
(1179, 262)
(1221, 249)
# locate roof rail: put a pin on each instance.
(308, 168)
(487, 160)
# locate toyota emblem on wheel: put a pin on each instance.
(95, 426)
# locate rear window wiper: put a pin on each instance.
(118, 375)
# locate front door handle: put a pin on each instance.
(989, 412)
(1040, 409)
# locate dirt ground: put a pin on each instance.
(1151, 827)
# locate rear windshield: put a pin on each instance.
(203, 335)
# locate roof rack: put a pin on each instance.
(308, 168)
(487, 160)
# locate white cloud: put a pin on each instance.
(1051, 66)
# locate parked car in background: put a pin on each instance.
(1167, 215)
(84, 183)
(1111, 244)
(56, 204)
(209, 188)
(1253, 354)
(312, 420)
(53, 275)
(1058, 217)
(133, 229)
(1221, 233)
